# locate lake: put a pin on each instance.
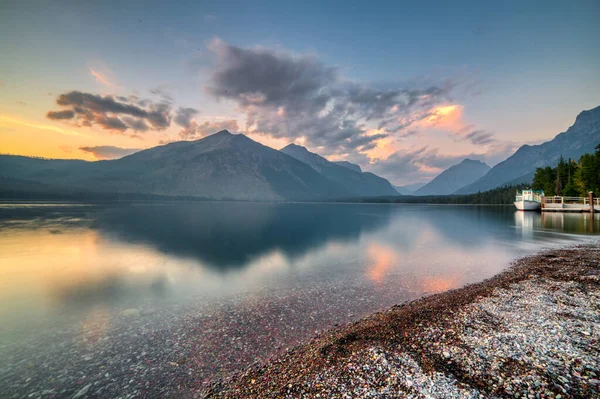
(161, 298)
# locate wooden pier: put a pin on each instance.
(571, 204)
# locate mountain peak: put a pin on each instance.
(589, 114)
(222, 133)
(468, 161)
(295, 147)
(455, 177)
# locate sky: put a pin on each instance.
(404, 89)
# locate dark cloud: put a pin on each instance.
(108, 152)
(263, 77)
(163, 93)
(118, 114)
(290, 96)
(196, 131)
(111, 123)
(183, 117)
(480, 137)
(67, 114)
(135, 124)
(418, 164)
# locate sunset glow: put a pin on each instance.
(279, 90)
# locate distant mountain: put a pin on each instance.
(455, 177)
(221, 166)
(359, 184)
(409, 189)
(579, 139)
(351, 166)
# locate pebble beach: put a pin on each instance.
(532, 331)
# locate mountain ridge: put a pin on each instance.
(357, 183)
(220, 166)
(578, 139)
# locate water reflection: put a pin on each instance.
(75, 258)
(571, 223)
(266, 274)
(230, 235)
(381, 259)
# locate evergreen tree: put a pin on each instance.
(558, 184)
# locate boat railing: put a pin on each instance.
(528, 196)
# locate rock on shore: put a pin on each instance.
(530, 332)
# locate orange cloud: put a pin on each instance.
(384, 147)
(100, 78)
(8, 121)
(446, 117)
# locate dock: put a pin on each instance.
(570, 204)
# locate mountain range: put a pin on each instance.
(233, 166)
(582, 137)
(220, 166)
(454, 178)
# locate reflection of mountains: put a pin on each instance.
(229, 235)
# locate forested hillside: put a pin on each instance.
(571, 178)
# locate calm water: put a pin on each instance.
(78, 279)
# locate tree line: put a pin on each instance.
(570, 178)
(498, 196)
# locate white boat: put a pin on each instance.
(529, 200)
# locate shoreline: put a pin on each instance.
(530, 331)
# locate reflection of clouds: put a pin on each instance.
(80, 269)
(132, 255)
(381, 258)
(440, 250)
(435, 284)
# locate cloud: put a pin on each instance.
(111, 123)
(480, 137)
(115, 114)
(183, 117)
(108, 152)
(289, 95)
(67, 114)
(417, 164)
(163, 93)
(293, 97)
(135, 124)
(196, 131)
(100, 78)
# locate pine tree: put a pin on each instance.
(558, 184)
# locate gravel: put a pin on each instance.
(530, 332)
